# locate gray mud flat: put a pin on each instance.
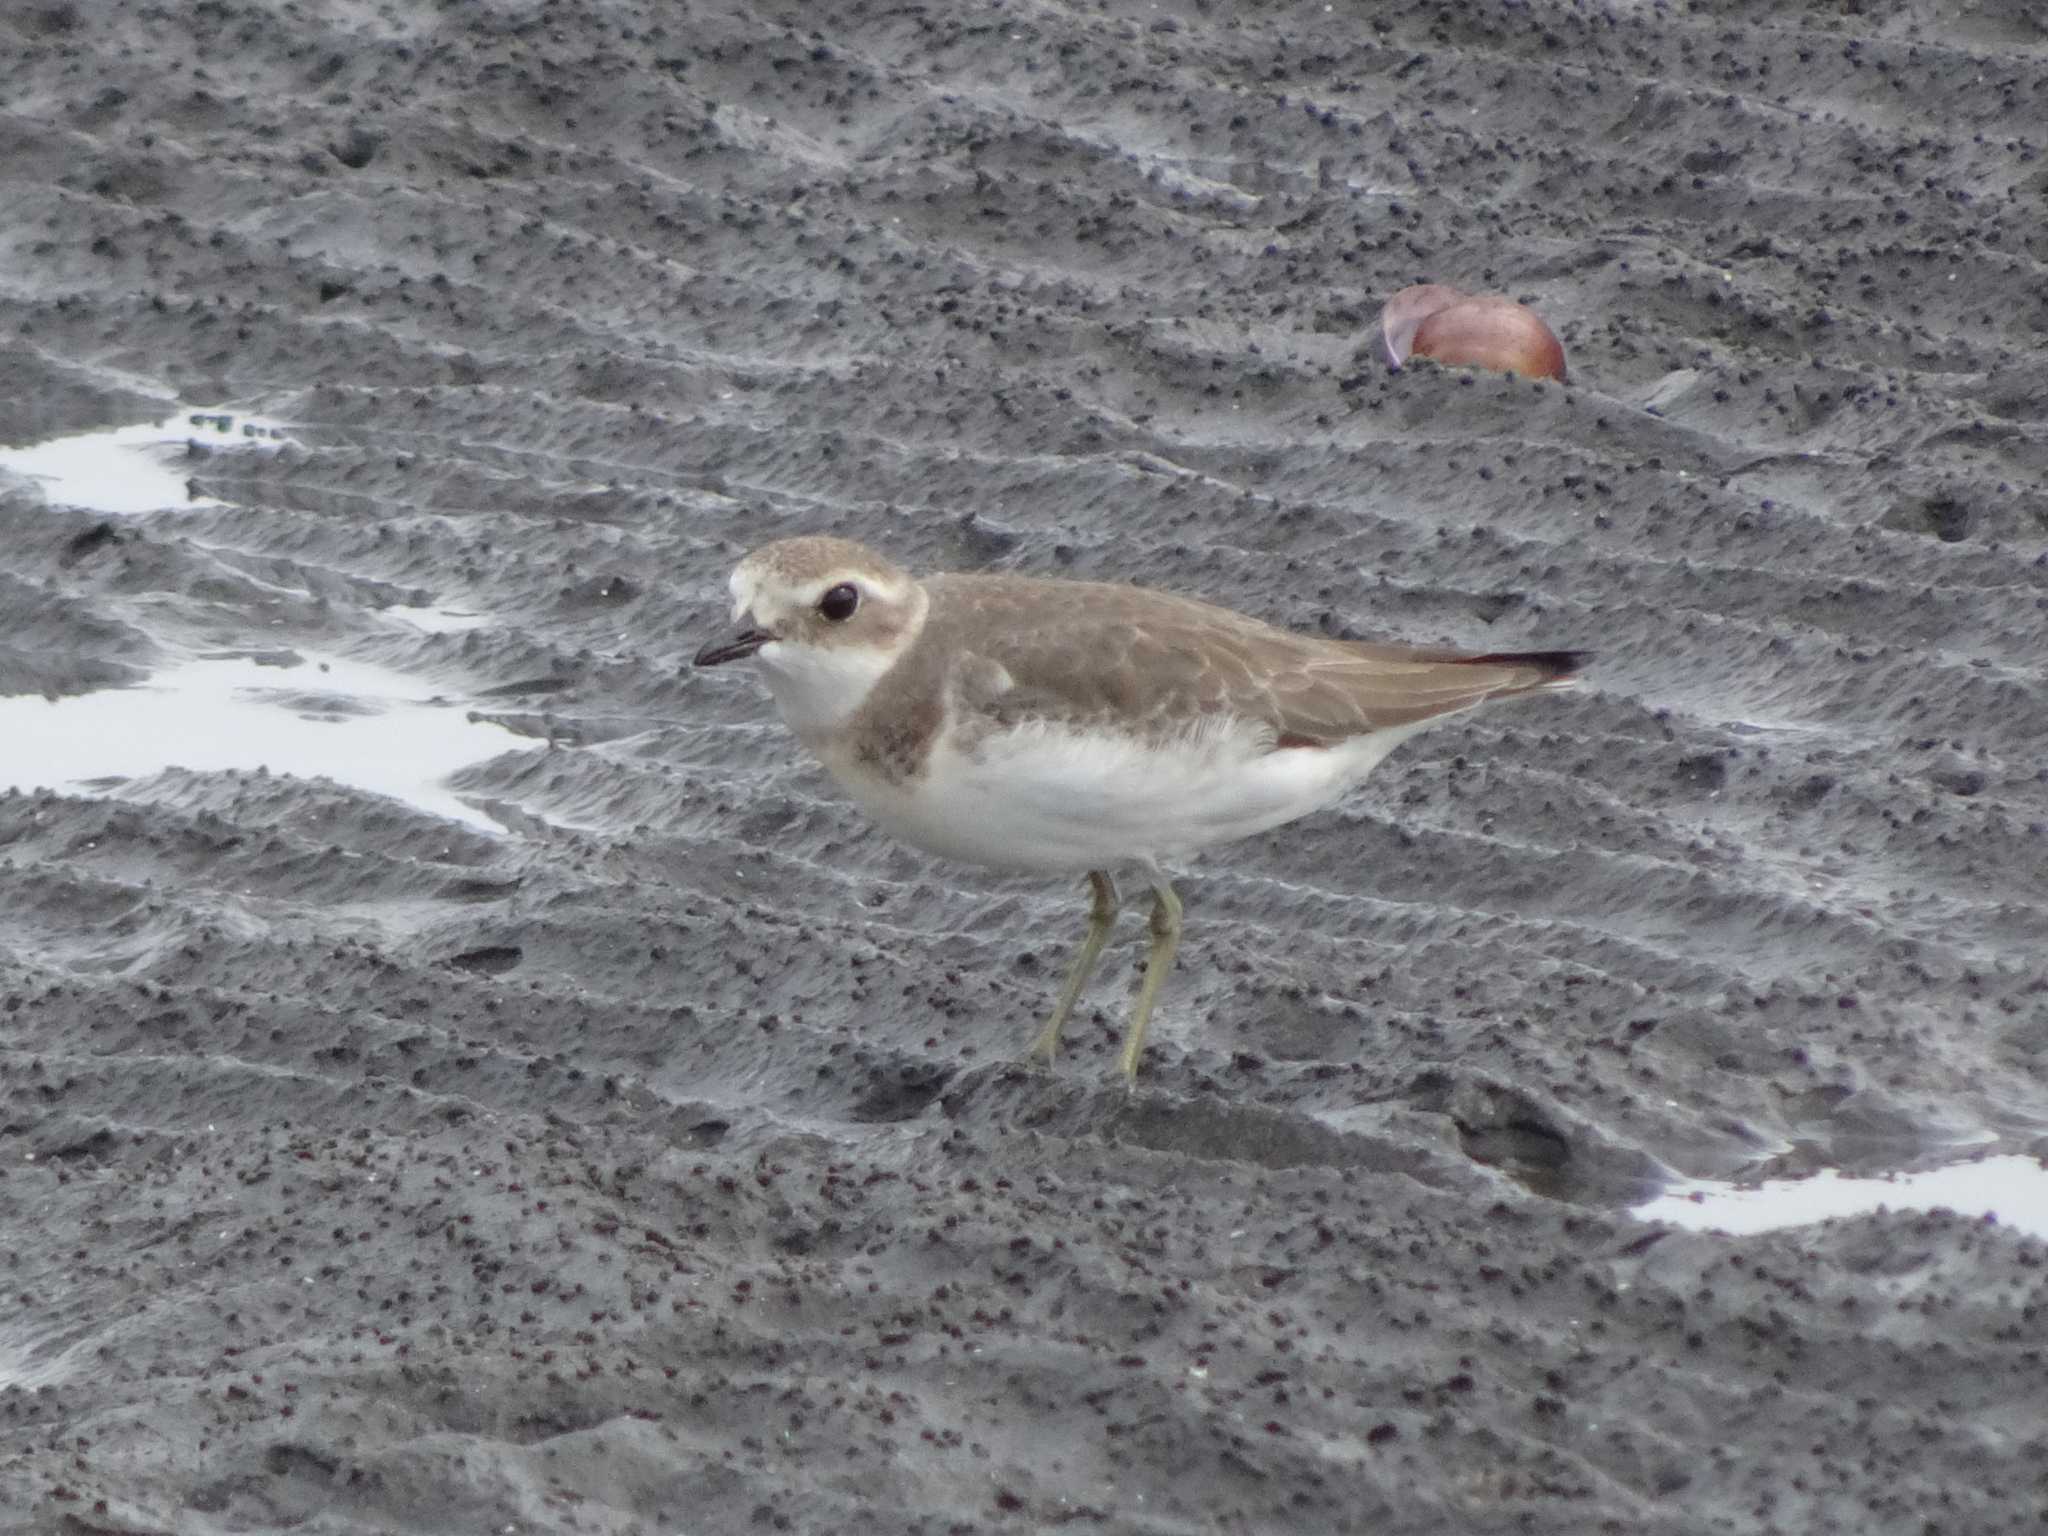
(653, 1164)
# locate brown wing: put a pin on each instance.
(1373, 687)
(1083, 652)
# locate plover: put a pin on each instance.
(1080, 727)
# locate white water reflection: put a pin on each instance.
(143, 468)
(2013, 1189)
(146, 468)
(359, 725)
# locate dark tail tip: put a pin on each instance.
(1555, 664)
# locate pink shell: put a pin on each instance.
(1459, 329)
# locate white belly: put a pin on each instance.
(1054, 800)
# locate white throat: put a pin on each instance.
(818, 689)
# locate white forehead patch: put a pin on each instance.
(741, 585)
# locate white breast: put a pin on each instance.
(818, 689)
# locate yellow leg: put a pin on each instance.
(1165, 940)
(1101, 918)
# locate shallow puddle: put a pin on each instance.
(292, 713)
(142, 468)
(311, 717)
(2013, 1189)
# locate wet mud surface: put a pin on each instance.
(655, 1163)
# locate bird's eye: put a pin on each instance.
(839, 602)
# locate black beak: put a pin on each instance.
(736, 648)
